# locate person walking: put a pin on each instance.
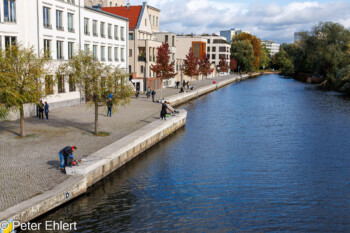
(153, 94)
(188, 85)
(163, 111)
(184, 83)
(46, 107)
(64, 154)
(41, 110)
(109, 107)
(177, 84)
(148, 92)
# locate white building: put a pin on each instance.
(229, 34)
(218, 48)
(61, 27)
(272, 46)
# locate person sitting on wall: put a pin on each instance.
(182, 90)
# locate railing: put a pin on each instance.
(142, 58)
(71, 30)
(48, 26)
(60, 28)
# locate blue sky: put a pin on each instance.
(269, 20)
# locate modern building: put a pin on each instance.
(272, 46)
(60, 28)
(229, 34)
(218, 48)
(143, 43)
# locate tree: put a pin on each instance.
(21, 76)
(282, 62)
(242, 51)
(163, 68)
(265, 58)
(233, 65)
(204, 66)
(191, 65)
(97, 81)
(255, 42)
(223, 67)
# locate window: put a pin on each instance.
(103, 53)
(48, 84)
(109, 53)
(60, 83)
(60, 50)
(122, 54)
(213, 49)
(145, 22)
(94, 51)
(110, 31)
(70, 22)
(116, 32)
(116, 54)
(222, 49)
(86, 26)
(130, 52)
(166, 38)
(208, 49)
(10, 11)
(208, 41)
(86, 48)
(70, 50)
(46, 17)
(173, 41)
(47, 48)
(59, 20)
(142, 69)
(72, 83)
(122, 33)
(222, 56)
(102, 29)
(9, 41)
(131, 36)
(213, 56)
(157, 21)
(153, 20)
(94, 28)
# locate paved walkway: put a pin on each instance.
(28, 167)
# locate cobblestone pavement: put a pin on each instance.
(28, 167)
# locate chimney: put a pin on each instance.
(128, 5)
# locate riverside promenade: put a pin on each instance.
(28, 167)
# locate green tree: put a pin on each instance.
(97, 81)
(265, 58)
(243, 52)
(282, 62)
(21, 76)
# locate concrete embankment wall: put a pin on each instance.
(181, 98)
(105, 161)
(96, 167)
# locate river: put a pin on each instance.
(267, 154)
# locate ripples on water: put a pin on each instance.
(265, 155)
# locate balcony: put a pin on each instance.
(87, 33)
(116, 38)
(95, 34)
(60, 28)
(142, 58)
(71, 30)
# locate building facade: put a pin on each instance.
(143, 43)
(104, 3)
(272, 46)
(60, 29)
(229, 34)
(218, 48)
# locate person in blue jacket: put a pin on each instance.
(64, 154)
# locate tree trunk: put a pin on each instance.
(21, 112)
(96, 118)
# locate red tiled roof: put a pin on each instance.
(133, 13)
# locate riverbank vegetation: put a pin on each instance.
(323, 53)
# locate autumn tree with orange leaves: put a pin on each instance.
(255, 42)
(191, 65)
(204, 66)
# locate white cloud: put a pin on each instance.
(268, 21)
